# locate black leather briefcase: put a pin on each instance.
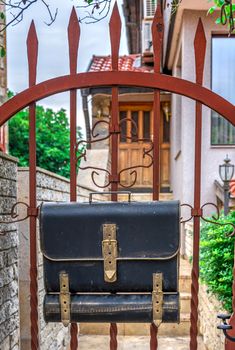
(110, 262)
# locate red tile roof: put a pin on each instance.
(131, 63)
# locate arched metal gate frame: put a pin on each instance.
(115, 79)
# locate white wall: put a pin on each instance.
(183, 167)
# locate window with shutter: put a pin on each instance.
(149, 8)
(223, 83)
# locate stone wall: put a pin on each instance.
(9, 302)
(3, 86)
(50, 187)
(209, 308)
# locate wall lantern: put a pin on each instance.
(226, 172)
(166, 110)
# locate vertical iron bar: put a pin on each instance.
(73, 140)
(73, 39)
(153, 337)
(200, 52)
(33, 228)
(115, 35)
(113, 336)
(114, 143)
(156, 143)
(196, 236)
(157, 35)
(73, 186)
(228, 344)
(32, 49)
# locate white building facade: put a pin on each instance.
(218, 137)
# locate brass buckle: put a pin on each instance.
(157, 298)
(110, 252)
(64, 299)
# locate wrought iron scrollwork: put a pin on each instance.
(134, 133)
(200, 213)
(225, 327)
(96, 171)
(15, 216)
(85, 142)
(133, 169)
(102, 121)
(224, 18)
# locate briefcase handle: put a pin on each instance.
(110, 192)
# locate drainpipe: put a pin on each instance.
(84, 94)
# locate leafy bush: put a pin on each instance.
(217, 259)
(52, 137)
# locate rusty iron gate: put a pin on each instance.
(115, 78)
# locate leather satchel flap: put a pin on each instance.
(144, 230)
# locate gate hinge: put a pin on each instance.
(64, 299)
(157, 298)
(110, 252)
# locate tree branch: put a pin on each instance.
(18, 17)
(102, 5)
(51, 15)
(97, 10)
(17, 9)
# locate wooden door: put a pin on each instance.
(136, 132)
(136, 122)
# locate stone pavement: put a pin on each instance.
(100, 342)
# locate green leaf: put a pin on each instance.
(211, 10)
(2, 52)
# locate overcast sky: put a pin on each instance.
(53, 48)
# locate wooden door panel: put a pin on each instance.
(165, 161)
(123, 161)
(131, 151)
(133, 157)
(135, 161)
(147, 172)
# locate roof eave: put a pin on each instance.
(132, 10)
(176, 25)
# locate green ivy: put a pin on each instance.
(228, 11)
(53, 139)
(217, 259)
